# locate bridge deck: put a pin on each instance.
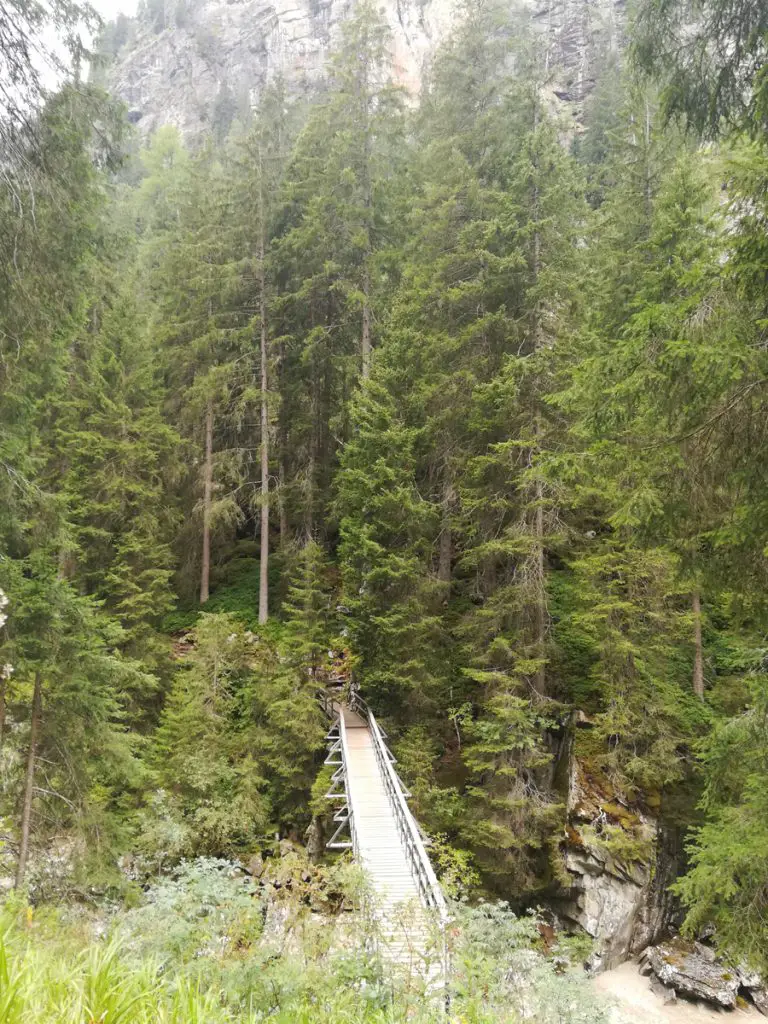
(380, 849)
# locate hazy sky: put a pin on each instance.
(109, 9)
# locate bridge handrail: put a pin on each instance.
(345, 762)
(421, 866)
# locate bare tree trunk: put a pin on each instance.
(366, 336)
(264, 547)
(3, 685)
(366, 344)
(540, 606)
(29, 782)
(698, 650)
(205, 571)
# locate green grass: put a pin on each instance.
(198, 951)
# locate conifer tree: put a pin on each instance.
(199, 753)
(114, 462)
(259, 164)
(340, 204)
(78, 758)
(309, 610)
(386, 529)
(204, 324)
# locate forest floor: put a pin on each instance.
(635, 1003)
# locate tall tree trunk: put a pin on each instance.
(540, 607)
(205, 571)
(365, 341)
(698, 650)
(3, 685)
(29, 782)
(264, 547)
(366, 347)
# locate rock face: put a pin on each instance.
(193, 63)
(608, 902)
(619, 865)
(213, 54)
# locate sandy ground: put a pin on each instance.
(634, 1003)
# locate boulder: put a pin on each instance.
(755, 987)
(682, 967)
(255, 866)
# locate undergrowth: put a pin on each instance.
(207, 947)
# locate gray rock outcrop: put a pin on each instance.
(693, 972)
(618, 866)
(195, 63)
(754, 985)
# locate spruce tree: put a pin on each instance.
(114, 460)
(340, 218)
(386, 528)
(199, 757)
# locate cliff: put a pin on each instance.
(195, 63)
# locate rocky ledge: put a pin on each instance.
(693, 970)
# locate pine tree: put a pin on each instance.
(340, 205)
(79, 760)
(199, 756)
(725, 885)
(114, 459)
(260, 160)
(386, 529)
(309, 610)
(204, 322)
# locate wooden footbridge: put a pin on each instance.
(374, 822)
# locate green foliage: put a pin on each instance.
(515, 432)
(491, 934)
(385, 527)
(206, 904)
(628, 614)
(235, 746)
(114, 459)
(619, 843)
(310, 610)
(201, 758)
(89, 768)
(716, 87)
(726, 884)
(167, 963)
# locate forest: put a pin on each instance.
(455, 401)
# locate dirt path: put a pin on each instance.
(634, 1003)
